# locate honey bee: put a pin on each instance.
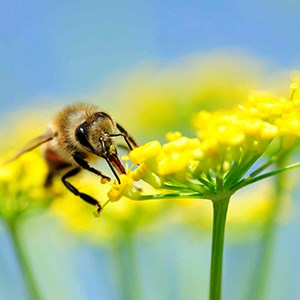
(80, 134)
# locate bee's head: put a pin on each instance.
(94, 134)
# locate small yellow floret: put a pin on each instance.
(173, 163)
(125, 188)
(116, 191)
(270, 108)
(173, 136)
(269, 131)
(139, 172)
(142, 153)
(251, 126)
(202, 118)
(177, 145)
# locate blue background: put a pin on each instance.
(59, 50)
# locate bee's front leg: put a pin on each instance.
(128, 138)
(84, 164)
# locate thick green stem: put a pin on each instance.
(23, 261)
(219, 219)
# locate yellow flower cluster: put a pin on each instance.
(21, 185)
(227, 145)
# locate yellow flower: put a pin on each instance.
(228, 143)
(125, 188)
(21, 185)
(267, 106)
(172, 136)
(145, 152)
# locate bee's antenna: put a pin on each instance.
(128, 139)
(125, 138)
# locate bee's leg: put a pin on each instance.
(128, 139)
(75, 191)
(55, 165)
(84, 164)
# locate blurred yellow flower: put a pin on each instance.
(21, 185)
(166, 96)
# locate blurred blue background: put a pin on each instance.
(67, 49)
(63, 51)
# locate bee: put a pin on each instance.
(80, 134)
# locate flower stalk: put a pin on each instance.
(22, 195)
(219, 220)
(14, 230)
(269, 235)
(125, 258)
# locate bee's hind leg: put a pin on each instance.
(75, 191)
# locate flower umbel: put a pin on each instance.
(230, 151)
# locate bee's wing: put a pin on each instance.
(37, 141)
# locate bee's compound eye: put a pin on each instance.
(80, 134)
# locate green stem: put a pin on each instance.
(127, 267)
(247, 181)
(235, 174)
(219, 219)
(259, 288)
(23, 261)
(171, 196)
